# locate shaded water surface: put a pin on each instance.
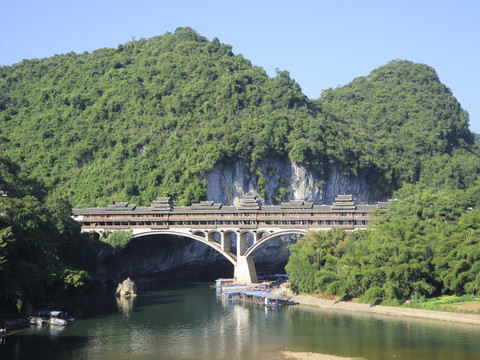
(186, 321)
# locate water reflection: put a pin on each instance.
(381, 337)
(187, 322)
(125, 304)
(56, 330)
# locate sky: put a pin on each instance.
(322, 44)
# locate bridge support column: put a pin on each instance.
(226, 241)
(241, 244)
(245, 270)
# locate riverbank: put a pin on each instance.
(387, 310)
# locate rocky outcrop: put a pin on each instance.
(126, 289)
(228, 183)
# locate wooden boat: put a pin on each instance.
(51, 317)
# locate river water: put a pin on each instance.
(186, 321)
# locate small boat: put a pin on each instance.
(55, 317)
(37, 321)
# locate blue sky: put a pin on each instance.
(322, 44)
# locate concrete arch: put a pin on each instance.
(210, 235)
(255, 247)
(262, 233)
(214, 245)
(197, 232)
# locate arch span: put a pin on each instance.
(256, 246)
(214, 245)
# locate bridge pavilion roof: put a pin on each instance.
(249, 204)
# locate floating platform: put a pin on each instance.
(255, 294)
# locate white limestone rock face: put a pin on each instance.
(228, 183)
(126, 288)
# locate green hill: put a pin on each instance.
(401, 120)
(153, 117)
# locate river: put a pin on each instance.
(186, 321)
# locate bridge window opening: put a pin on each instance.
(249, 240)
(233, 241)
(215, 238)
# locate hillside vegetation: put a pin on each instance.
(428, 243)
(42, 252)
(153, 118)
(402, 121)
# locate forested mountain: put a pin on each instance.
(153, 118)
(402, 120)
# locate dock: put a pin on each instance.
(259, 294)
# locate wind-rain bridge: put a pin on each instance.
(237, 232)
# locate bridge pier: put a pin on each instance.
(226, 241)
(241, 243)
(245, 270)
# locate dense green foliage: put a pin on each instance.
(116, 240)
(149, 118)
(42, 252)
(427, 243)
(404, 126)
(476, 138)
(153, 117)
